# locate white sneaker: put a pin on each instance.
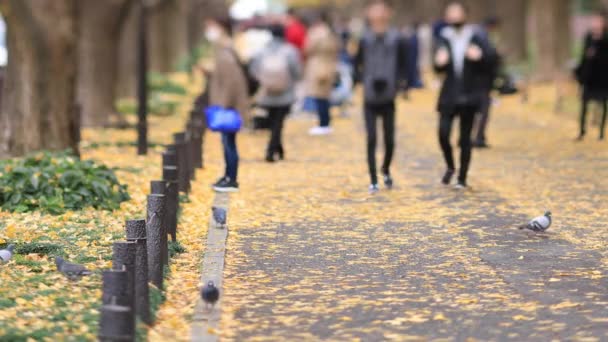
(320, 131)
(373, 189)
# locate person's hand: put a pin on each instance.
(590, 53)
(442, 57)
(474, 53)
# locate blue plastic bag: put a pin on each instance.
(223, 120)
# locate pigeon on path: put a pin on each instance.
(219, 216)
(72, 271)
(7, 254)
(210, 294)
(539, 224)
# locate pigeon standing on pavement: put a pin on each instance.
(210, 294)
(539, 224)
(72, 271)
(219, 216)
(7, 254)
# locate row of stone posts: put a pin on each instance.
(141, 259)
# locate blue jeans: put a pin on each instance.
(231, 155)
(323, 111)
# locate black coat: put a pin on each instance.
(592, 71)
(470, 88)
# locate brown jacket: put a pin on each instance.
(321, 51)
(228, 86)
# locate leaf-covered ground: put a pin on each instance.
(312, 256)
(37, 302)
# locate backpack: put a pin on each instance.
(274, 74)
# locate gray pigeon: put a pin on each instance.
(539, 224)
(72, 271)
(7, 254)
(210, 294)
(219, 216)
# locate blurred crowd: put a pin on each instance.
(306, 62)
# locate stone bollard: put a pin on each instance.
(170, 174)
(154, 232)
(136, 232)
(115, 323)
(170, 156)
(197, 145)
(183, 161)
(159, 187)
(123, 258)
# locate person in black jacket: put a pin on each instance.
(465, 58)
(592, 72)
(381, 67)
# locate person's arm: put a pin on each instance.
(403, 64)
(219, 94)
(441, 57)
(358, 63)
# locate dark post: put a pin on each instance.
(195, 147)
(170, 175)
(123, 258)
(154, 231)
(115, 323)
(136, 232)
(183, 167)
(115, 285)
(142, 83)
(159, 188)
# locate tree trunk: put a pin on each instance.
(127, 61)
(168, 34)
(513, 14)
(551, 30)
(38, 110)
(100, 23)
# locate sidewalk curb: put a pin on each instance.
(205, 322)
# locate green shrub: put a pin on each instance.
(57, 182)
(159, 83)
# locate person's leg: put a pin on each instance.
(603, 122)
(583, 118)
(323, 106)
(273, 143)
(388, 125)
(233, 157)
(283, 112)
(226, 153)
(445, 128)
(467, 118)
(370, 127)
(484, 114)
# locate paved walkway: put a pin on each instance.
(312, 256)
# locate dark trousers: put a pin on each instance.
(387, 113)
(276, 116)
(323, 111)
(231, 155)
(467, 117)
(584, 109)
(483, 116)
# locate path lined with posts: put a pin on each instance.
(143, 258)
(312, 256)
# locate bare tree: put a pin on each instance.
(38, 110)
(551, 35)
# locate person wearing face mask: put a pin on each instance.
(381, 67)
(464, 57)
(592, 72)
(227, 89)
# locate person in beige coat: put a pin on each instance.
(321, 52)
(227, 89)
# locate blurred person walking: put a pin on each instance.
(295, 30)
(227, 89)
(465, 58)
(592, 72)
(321, 53)
(489, 30)
(277, 68)
(381, 66)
